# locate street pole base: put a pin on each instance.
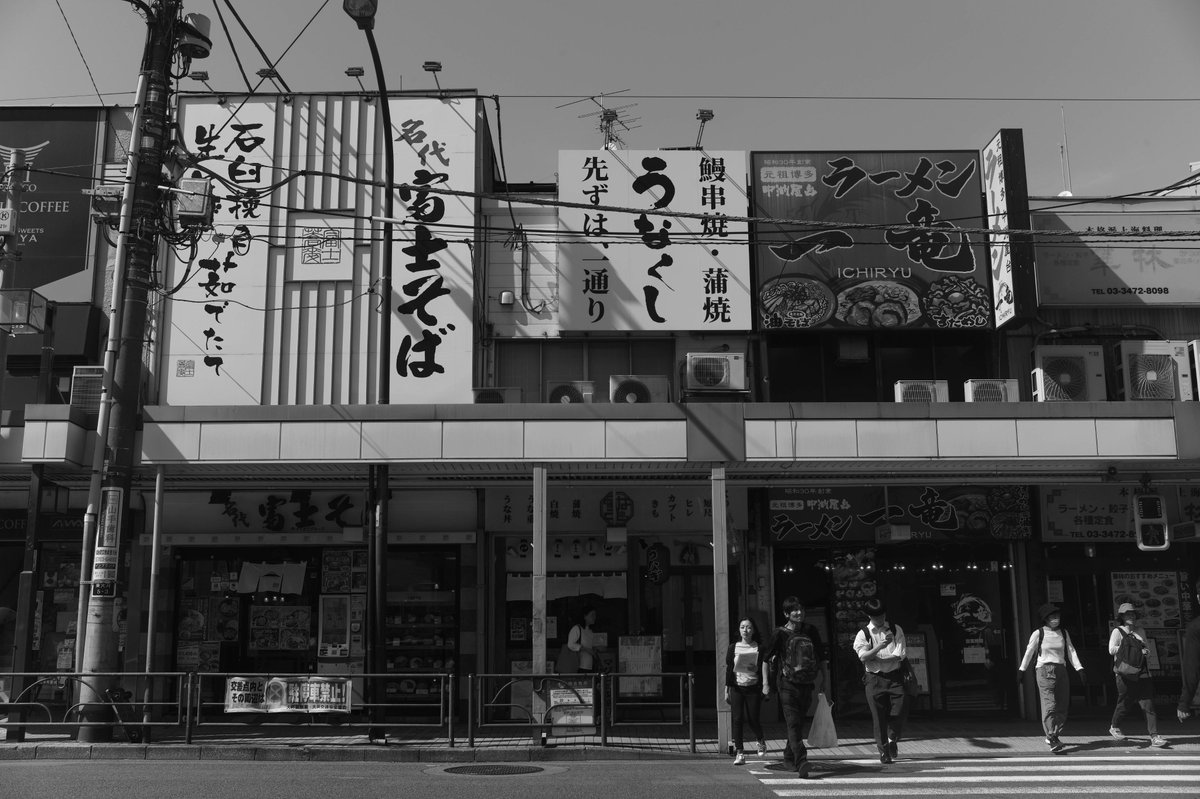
(377, 734)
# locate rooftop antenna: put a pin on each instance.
(611, 120)
(1064, 157)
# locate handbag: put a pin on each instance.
(911, 686)
(567, 662)
(822, 734)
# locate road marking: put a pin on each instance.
(884, 779)
(1122, 789)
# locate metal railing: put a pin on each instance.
(51, 702)
(542, 702)
(401, 709)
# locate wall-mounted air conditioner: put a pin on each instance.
(569, 391)
(716, 371)
(639, 388)
(922, 391)
(1155, 370)
(498, 395)
(1068, 373)
(992, 389)
(86, 385)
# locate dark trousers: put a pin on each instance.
(794, 700)
(745, 707)
(1134, 691)
(889, 706)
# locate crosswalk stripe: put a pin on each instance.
(883, 779)
(992, 790)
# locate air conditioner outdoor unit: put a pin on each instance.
(506, 394)
(992, 389)
(1068, 373)
(716, 371)
(569, 391)
(1155, 370)
(639, 388)
(86, 385)
(922, 391)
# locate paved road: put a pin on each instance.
(1147, 773)
(1117, 774)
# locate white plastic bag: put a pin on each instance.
(822, 734)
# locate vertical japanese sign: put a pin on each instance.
(673, 261)
(1008, 208)
(432, 286)
(108, 541)
(60, 153)
(870, 240)
(216, 320)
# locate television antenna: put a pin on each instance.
(611, 120)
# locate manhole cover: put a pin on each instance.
(493, 770)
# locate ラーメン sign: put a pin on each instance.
(259, 694)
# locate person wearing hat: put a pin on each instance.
(1049, 651)
(881, 648)
(1136, 689)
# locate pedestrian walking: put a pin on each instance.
(799, 667)
(1049, 651)
(1131, 668)
(881, 648)
(745, 687)
(1191, 665)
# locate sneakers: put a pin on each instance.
(1158, 740)
(804, 769)
(885, 758)
(740, 760)
(893, 749)
(1116, 733)
(762, 748)
(1055, 744)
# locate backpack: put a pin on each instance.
(1130, 660)
(798, 662)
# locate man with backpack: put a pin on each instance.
(800, 666)
(1131, 667)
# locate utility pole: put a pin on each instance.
(106, 522)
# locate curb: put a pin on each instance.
(374, 754)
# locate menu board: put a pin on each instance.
(1156, 597)
(279, 627)
(640, 654)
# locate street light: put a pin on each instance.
(22, 312)
(433, 68)
(363, 14)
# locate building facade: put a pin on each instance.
(676, 387)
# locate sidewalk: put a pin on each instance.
(946, 736)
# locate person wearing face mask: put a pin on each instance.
(1131, 668)
(1049, 651)
(745, 687)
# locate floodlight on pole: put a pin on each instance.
(363, 14)
(704, 115)
(433, 68)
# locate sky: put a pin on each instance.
(1117, 81)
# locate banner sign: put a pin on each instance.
(1098, 513)
(287, 695)
(1117, 254)
(59, 147)
(876, 514)
(649, 268)
(1006, 193)
(869, 240)
(583, 509)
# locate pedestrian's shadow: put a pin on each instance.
(988, 743)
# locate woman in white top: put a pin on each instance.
(744, 687)
(581, 639)
(1135, 689)
(1049, 650)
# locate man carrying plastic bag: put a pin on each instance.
(822, 734)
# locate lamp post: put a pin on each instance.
(363, 14)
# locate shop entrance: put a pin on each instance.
(953, 602)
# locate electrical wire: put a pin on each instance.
(232, 47)
(258, 47)
(86, 65)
